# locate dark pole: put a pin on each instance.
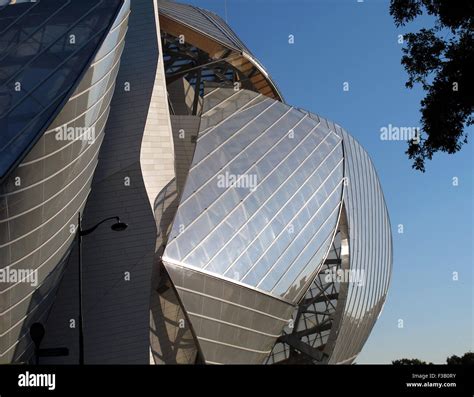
(81, 330)
(118, 227)
(37, 335)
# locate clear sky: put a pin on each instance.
(337, 41)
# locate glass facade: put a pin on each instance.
(36, 216)
(271, 232)
(370, 250)
(209, 33)
(275, 197)
(266, 199)
(45, 48)
(316, 317)
(316, 207)
(207, 22)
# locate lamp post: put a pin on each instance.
(37, 334)
(118, 226)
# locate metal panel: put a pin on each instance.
(370, 250)
(261, 241)
(205, 21)
(209, 32)
(37, 215)
(45, 49)
(336, 331)
(233, 324)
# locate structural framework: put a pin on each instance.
(258, 231)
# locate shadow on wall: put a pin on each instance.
(117, 267)
(171, 339)
(38, 311)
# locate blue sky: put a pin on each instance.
(346, 41)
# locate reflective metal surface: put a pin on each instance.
(263, 200)
(40, 199)
(272, 229)
(204, 20)
(275, 198)
(370, 250)
(45, 47)
(260, 210)
(208, 32)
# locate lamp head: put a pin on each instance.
(37, 333)
(119, 226)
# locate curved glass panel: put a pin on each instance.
(203, 20)
(262, 198)
(370, 251)
(45, 47)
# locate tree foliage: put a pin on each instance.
(441, 60)
(409, 361)
(465, 359)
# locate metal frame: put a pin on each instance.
(200, 69)
(317, 317)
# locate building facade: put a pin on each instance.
(258, 232)
(58, 67)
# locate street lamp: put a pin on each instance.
(37, 334)
(118, 226)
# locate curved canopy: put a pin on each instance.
(210, 33)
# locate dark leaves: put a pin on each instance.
(404, 11)
(422, 56)
(443, 68)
